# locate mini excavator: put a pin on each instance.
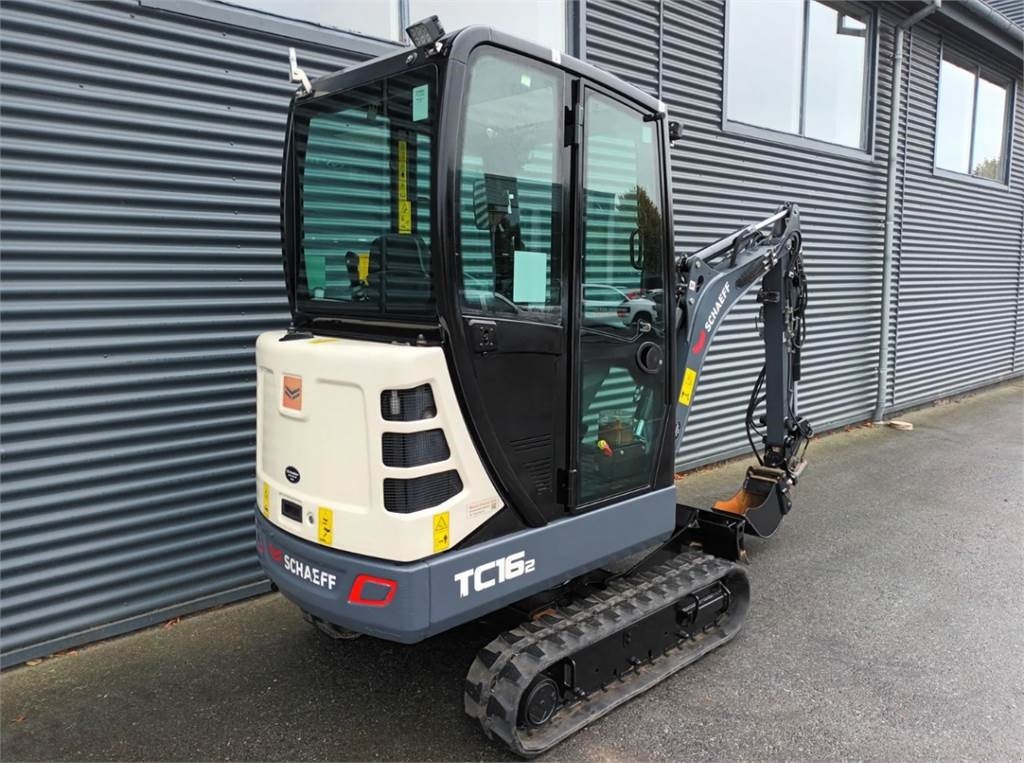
(491, 362)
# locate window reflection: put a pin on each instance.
(812, 84)
(509, 242)
(765, 39)
(836, 52)
(620, 406)
(364, 182)
(971, 124)
(953, 130)
(989, 132)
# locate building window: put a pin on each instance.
(372, 18)
(971, 123)
(540, 21)
(800, 67)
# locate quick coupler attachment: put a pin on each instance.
(539, 683)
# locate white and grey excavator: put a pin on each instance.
(492, 357)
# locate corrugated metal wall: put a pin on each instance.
(960, 261)
(1012, 9)
(140, 169)
(723, 181)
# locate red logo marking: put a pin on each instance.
(701, 340)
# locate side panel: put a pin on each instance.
(319, 580)
(559, 551)
(439, 593)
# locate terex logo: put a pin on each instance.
(488, 574)
(717, 308)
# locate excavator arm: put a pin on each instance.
(767, 254)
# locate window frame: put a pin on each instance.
(796, 140)
(243, 17)
(981, 71)
(308, 32)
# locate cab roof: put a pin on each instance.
(457, 46)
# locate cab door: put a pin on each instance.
(620, 354)
(512, 273)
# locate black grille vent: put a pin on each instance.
(407, 496)
(415, 448)
(408, 404)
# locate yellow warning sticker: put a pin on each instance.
(364, 266)
(441, 534)
(266, 499)
(404, 216)
(686, 392)
(404, 205)
(325, 525)
(403, 170)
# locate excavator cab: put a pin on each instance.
(489, 198)
(491, 359)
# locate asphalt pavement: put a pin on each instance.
(886, 623)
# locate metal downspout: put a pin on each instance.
(890, 200)
(661, 47)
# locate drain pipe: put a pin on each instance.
(890, 199)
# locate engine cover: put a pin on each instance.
(361, 447)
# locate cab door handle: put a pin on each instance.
(636, 253)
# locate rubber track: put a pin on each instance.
(504, 669)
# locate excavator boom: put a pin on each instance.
(767, 255)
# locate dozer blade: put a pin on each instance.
(539, 683)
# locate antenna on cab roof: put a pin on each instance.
(295, 74)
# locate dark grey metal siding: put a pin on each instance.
(1012, 9)
(140, 167)
(140, 170)
(960, 263)
(722, 181)
(622, 37)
